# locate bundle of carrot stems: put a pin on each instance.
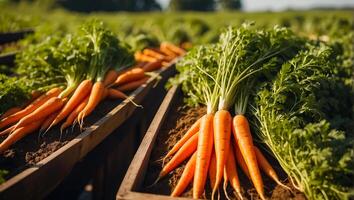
(86, 87)
(221, 76)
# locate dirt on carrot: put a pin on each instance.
(180, 119)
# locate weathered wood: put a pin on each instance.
(38, 181)
(138, 167)
(8, 58)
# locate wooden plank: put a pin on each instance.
(140, 196)
(14, 36)
(138, 166)
(37, 181)
(8, 58)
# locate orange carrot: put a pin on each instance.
(241, 161)
(129, 76)
(116, 94)
(222, 133)
(30, 108)
(96, 94)
(167, 51)
(52, 105)
(192, 131)
(230, 174)
(110, 77)
(133, 85)
(179, 51)
(244, 140)
(186, 177)
(212, 170)
(73, 115)
(186, 150)
(143, 58)
(80, 93)
(46, 123)
(154, 54)
(267, 168)
(35, 94)
(8, 130)
(152, 66)
(9, 112)
(19, 133)
(204, 150)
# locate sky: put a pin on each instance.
(278, 5)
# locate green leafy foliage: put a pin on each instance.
(39, 66)
(13, 92)
(141, 41)
(295, 121)
(196, 72)
(105, 49)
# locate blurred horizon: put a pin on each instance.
(282, 5)
(187, 5)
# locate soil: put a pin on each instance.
(33, 148)
(180, 118)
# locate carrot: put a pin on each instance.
(192, 131)
(73, 115)
(80, 93)
(152, 66)
(241, 161)
(267, 168)
(8, 130)
(129, 76)
(167, 51)
(204, 150)
(96, 94)
(186, 150)
(244, 140)
(35, 94)
(19, 133)
(30, 108)
(165, 64)
(230, 174)
(9, 112)
(48, 121)
(154, 54)
(186, 177)
(174, 48)
(212, 170)
(52, 105)
(116, 94)
(143, 58)
(133, 85)
(105, 94)
(222, 133)
(110, 77)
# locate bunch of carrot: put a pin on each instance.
(148, 60)
(86, 87)
(215, 153)
(159, 56)
(221, 76)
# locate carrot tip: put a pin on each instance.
(239, 195)
(155, 182)
(225, 187)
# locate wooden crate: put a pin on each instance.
(33, 183)
(8, 58)
(136, 173)
(14, 36)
